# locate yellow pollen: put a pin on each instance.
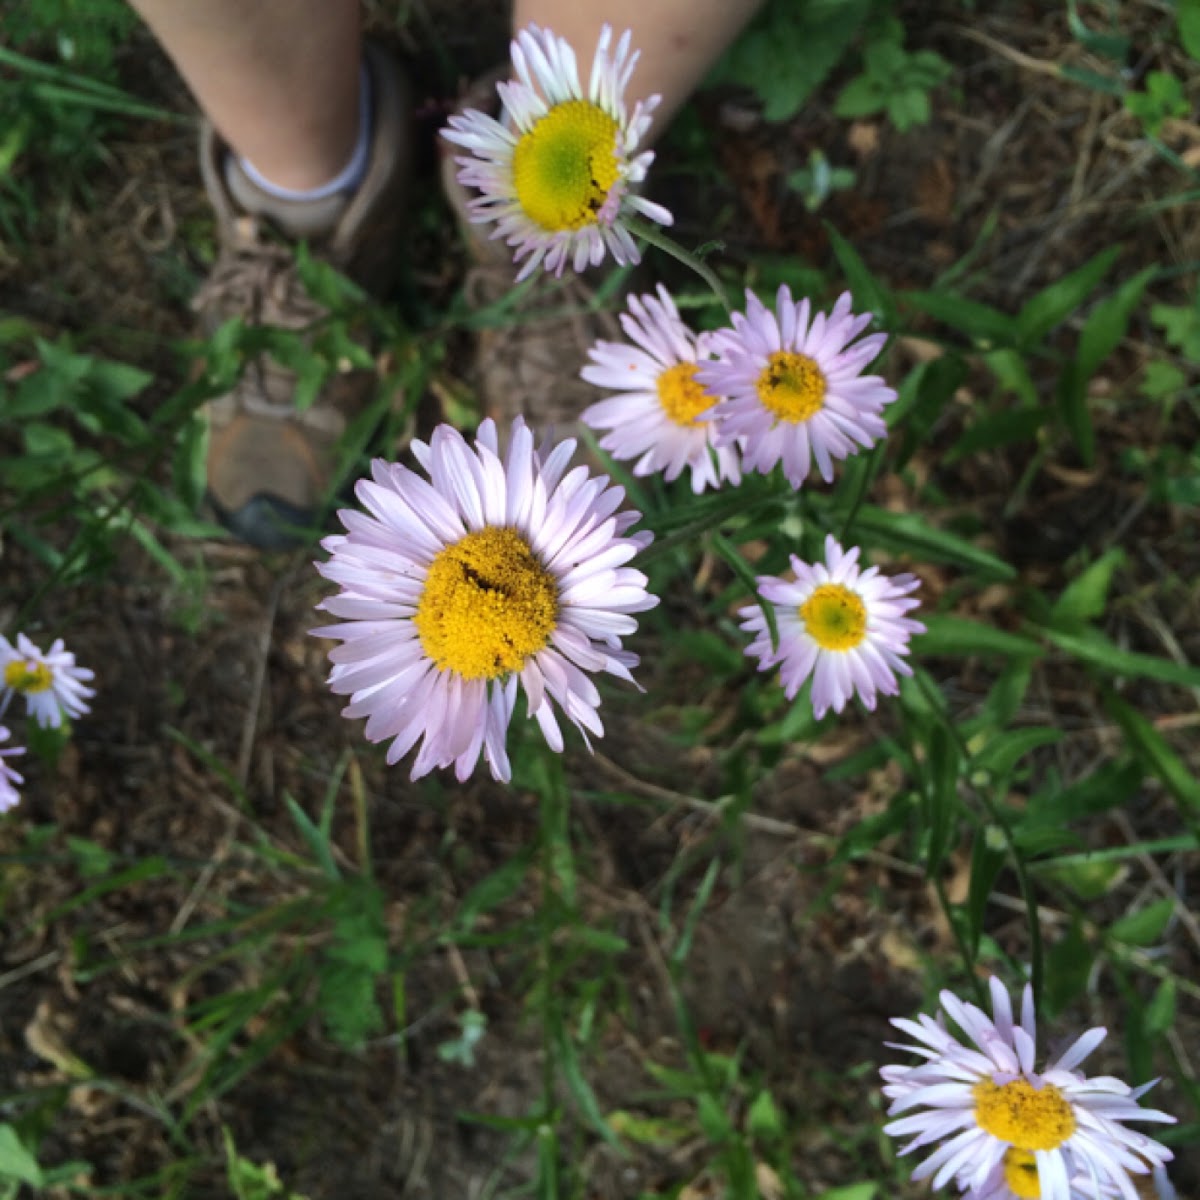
(681, 396)
(1026, 1117)
(566, 165)
(792, 386)
(1021, 1174)
(836, 619)
(24, 676)
(487, 605)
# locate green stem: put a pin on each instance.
(1018, 863)
(653, 236)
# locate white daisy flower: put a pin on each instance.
(53, 686)
(492, 575)
(992, 1111)
(795, 389)
(659, 418)
(838, 623)
(557, 171)
(9, 777)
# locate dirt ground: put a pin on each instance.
(209, 722)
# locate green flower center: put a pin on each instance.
(566, 165)
(487, 605)
(835, 617)
(791, 386)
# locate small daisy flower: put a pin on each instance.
(53, 686)
(9, 778)
(556, 172)
(795, 387)
(838, 623)
(659, 417)
(1006, 1129)
(491, 576)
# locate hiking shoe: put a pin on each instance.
(270, 466)
(529, 362)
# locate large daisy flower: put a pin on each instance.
(659, 416)
(794, 385)
(9, 778)
(53, 686)
(838, 623)
(1051, 1135)
(556, 172)
(493, 575)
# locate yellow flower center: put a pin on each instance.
(1026, 1117)
(566, 165)
(792, 386)
(836, 619)
(487, 605)
(23, 676)
(681, 396)
(1021, 1174)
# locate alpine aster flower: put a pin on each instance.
(9, 778)
(556, 172)
(794, 385)
(659, 417)
(838, 623)
(1006, 1129)
(492, 575)
(51, 683)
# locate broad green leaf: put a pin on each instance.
(1159, 1014)
(912, 534)
(1086, 597)
(1152, 748)
(189, 470)
(1050, 306)
(851, 1191)
(16, 1163)
(998, 429)
(1089, 877)
(961, 636)
(785, 57)
(978, 321)
(1068, 964)
(1109, 320)
(1144, 927)
(1003, 752)
(1071, 394)
(1108, 787)
(762, 1118)
(1094, 648)
(1187, 14)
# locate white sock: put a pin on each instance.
(348, 178)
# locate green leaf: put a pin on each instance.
(978, 321)
(1071, 393)
(1159, 1014)
(1086, 597)
(1187, 15)
(961, 636)
(1096, 650)
(942, 793)
(1052, 305)
(787, 56)
(762, 1118)
(1152, 748)
(1006, 749)
(189, 464)
(1109, 320)
(851, 1191)
(867, 291)
(493, 891)
(581, 1090)
(16, 1162)
(912, 534)
(998, 429)
(988, 852)
(859, 98)
(1144, 927)
(1068, 964)
(1108, 787)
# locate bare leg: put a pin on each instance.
(679, 39)
(278, 78)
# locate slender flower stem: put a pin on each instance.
(653, 236)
